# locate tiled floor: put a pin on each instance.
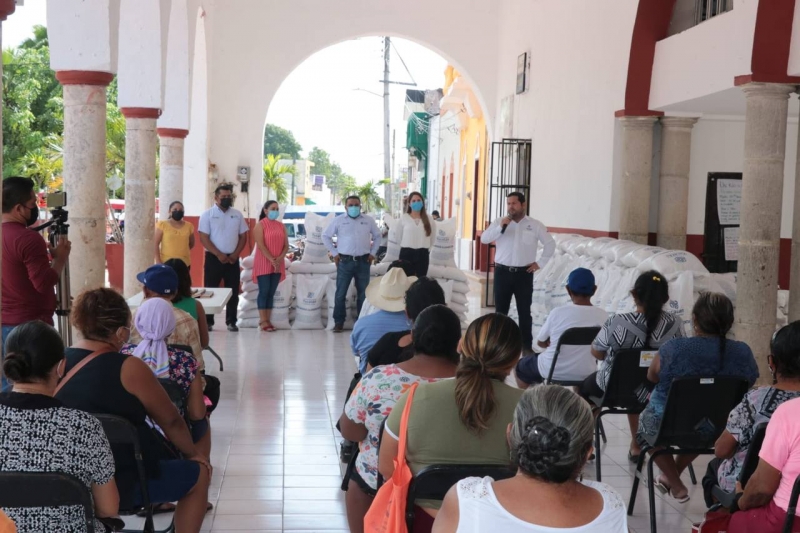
(275, 457)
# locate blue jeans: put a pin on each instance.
(267, 285)
(348, 269)
(4, 384)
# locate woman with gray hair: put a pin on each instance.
(550, 441)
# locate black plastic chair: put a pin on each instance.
(748, 467)
(792, 510)
(46, 489)
(695, 416)
(121, 432)
(433, 482)
(187, 348)
(620, 395)
(572, 337)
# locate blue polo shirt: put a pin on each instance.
(369, 330)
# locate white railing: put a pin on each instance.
(706, 9)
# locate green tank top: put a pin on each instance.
(188, 305)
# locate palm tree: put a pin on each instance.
(274, 171)
(370, 197)
(45, 165)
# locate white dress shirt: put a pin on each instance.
(517, 247)
(354, 236)
(223, 228)
(411, 233)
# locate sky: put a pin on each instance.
(324, 101)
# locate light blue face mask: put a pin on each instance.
(273, 215)
(353, 211)
(417, 206)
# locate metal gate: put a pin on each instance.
(509, 171)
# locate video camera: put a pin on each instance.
(56, 202)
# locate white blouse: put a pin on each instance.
(412, 233)
(479, 511)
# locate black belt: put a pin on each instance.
(346, 257)
(511, 269)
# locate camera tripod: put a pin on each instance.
(59, 228)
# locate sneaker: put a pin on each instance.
(233, 328)
(338, 328)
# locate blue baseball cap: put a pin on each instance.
(161, 279)
(581, 281)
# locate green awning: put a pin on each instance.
(417, 134)
(310, 202)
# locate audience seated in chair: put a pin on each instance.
(574, 362)
(39, 434)
(387, 294)
(763, 505)
(647, 327)
(437, 332)
(461, 420)
(185, 301)
(396, 346)
(708, 353)
(550, 441)
(161, 281)
(117, 384)
(155, 322)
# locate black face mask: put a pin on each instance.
(225, 203)
(177, 215)
(34, 215)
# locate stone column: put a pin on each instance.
(794, 293)
(673, 196)
(140, 193)
(6, 8)
(760, 231)
(637, 165)
(170, 176)
(85, 174)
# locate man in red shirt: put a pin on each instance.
(28, 275)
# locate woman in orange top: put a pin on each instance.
(174, 237)
(269, 269)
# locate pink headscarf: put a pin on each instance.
(155, 321)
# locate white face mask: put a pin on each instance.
(60, 369)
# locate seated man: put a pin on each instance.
(574, 362)
(161, 281)
(387, 294)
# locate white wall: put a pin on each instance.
(177, 80)
(140, 54)
(578, 71)
(196, 196)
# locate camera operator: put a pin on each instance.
(29, 277)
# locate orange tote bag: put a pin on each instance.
(387, 514)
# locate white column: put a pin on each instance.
(673, 197)
(170, 180)
(794, 293)
(85, 174)
(637, 165)
(759, 234)
(140, 193)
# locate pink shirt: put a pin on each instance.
(274, 239)
(781, 448)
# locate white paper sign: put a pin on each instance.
(731, 236)
(646, 359)
(729, 200)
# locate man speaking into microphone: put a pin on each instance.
(517, 237)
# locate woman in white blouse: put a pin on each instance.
(550, 440)
(416, 235)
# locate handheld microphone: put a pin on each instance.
(502, 231)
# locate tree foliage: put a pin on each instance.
(339, 183)
(274, 172)
(371, 198)
(278, 140)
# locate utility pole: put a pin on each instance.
(394, 151)
(387, 165)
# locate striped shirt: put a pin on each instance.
(274, 239)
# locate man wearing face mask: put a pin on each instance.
(29, 276)
(357, 241)
(223, 233)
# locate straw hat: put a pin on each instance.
(388, 292)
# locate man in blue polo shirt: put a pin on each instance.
(357, 241)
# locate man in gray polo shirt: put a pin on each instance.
(223, 233)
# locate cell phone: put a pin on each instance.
(56, 199)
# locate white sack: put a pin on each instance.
(446, 272)
(447, 288)
(282, 304)
(298, 267)
(308, 301)
(443, 252)
(315, 250)
(672, 263)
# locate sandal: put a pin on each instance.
(262, 327)
(663, 488)
(271, 327)
(161, 508)
(633, 458)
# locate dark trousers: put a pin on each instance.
(350, 268)
(419, 257)
(519, 284)
(215, 272)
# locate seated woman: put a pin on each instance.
(550, 440)
(647, 327)
(155, 322)
(183, 298)
(708, 353)
(396, 346)
(756, 408)
(763, 504)
(437, 332)
(462, 420)
(39, 434)
(117, 384)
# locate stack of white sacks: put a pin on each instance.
(305, 300)
(616, 265)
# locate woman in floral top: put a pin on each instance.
(436, 334)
